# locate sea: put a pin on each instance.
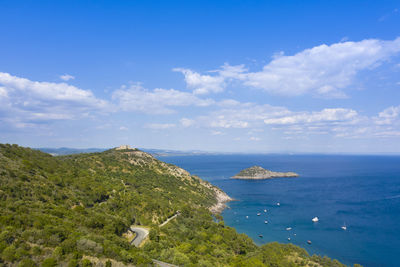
(359, 192)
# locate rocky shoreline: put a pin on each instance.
(222, 199)
(258, 173)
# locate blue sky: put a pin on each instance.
(229, 76)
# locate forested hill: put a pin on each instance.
(60, 210)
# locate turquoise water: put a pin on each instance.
(362, 192)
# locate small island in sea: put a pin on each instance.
(258, 173)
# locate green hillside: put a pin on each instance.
(59, 210)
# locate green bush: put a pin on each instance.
(8, 253)
(49, 262)
(86, 263)
(27, 263)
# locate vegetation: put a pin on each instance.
(71, 209)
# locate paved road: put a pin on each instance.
(141, 234)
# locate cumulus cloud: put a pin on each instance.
(157, 101)
(324, 70)
(326, 115)
(334, 122)
(240, 115)
(67, 77)
(388, 115)
(29, 101)
(203, 83)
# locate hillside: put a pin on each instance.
(60, 210)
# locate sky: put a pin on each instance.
(220, 76)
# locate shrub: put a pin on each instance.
(27, 263)
(9, 253)
(73, 263)
(86, 263)
(49, 262)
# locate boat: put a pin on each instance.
(247, 217)
(265, 210)
(315, 219)
(265, 222)
(278, 204)
(289, 228)
(288, 238)
(258, 214)
(260, 236)
(344, 227)
(309, 242)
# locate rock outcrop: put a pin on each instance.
(257, 172)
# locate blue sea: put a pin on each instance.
(361, 192)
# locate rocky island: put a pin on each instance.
(257, 173)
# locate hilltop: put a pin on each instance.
(73, 210)
(257, 173)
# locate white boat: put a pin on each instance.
(278, 204)
(247, 217)
(288, 238)
(315, 219)
(265, 222)
(289, 228)
(258, 214)
(265, 210)
(344, 227)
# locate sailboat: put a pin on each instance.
(344, 227)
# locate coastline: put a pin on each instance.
(222, 198)
(264, 177)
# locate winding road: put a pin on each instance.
(141, 234)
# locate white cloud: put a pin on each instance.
(159, 126)
(324, 70)
(203, 84)
(67, 77)
(123, 128)
(242, 115)
(216, 133)
(334, 122)
(28, 102)
(253, 138)
(326, 115)
(185, 122)
(157, 101)
(47, 90)
(388, 116)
